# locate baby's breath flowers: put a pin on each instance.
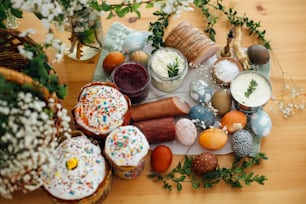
(30, 131)
(291, 101)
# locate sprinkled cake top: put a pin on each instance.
(100, 109)
(126, 146)
(79, 170)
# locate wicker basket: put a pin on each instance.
(23, 83)
(11, 58)
(9, 54)
(22, 79)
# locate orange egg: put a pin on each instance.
(112, 60)
(213, 138)
(161, 158)
(233, 121)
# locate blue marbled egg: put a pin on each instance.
(200, 91)
(134, 41)
(261, 123)
(201, 116)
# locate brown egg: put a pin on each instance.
(161, 158)
(111, 60)
(204, 162)
(233, 121)
(213, 138)
(222, 101)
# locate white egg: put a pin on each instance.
(261, 123)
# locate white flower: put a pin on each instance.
(27, 32)
(23, 52)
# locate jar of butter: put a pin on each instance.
(168, 68)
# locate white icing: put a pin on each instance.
(259, 96)
(100, 109)
(126, 146)
(82, 181)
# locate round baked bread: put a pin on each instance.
(81, 174)
(126, 148)
(101, 108)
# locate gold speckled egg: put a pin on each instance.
(213, 138)
(233, 121)
(140, 57)
(222, 101)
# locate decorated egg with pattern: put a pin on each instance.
(201, 116)
(200, 91)
(261, 123)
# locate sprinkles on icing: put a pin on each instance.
(100, 109)
(81, 181)
(126, 146)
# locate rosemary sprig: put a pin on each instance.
(251, 88)
(235, 176)
(173, 68)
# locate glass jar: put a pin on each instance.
(133, 80)
(86, 34)
(159, 69)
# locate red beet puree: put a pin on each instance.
(132, 80)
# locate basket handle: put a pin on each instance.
(20, 78)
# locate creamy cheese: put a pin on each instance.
(162, 58)
(258, 97)
(159, 69)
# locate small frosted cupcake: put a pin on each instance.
(126, 148)
(81, 174)
(101, 107)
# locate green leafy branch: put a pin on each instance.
(157, 28)
(121, 9)
(236, 176)
(40, 70)
(233, 19)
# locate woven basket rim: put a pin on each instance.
(22, 79)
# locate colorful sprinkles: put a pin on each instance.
(100, 109)
(81, 181)
(126, 146)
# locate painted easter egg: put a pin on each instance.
(213, 138)
(261, 123)
(161, 158)
(222, 101)
(200, 91)
(201, 116)
(233, 121)
(242, 143)
(134, 41)
(186, 131)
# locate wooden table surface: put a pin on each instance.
(285, 169)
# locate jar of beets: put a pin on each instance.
(133, 80)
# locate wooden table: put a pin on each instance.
(285, 24)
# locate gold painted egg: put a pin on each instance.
(213, 138)
(233, 121)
